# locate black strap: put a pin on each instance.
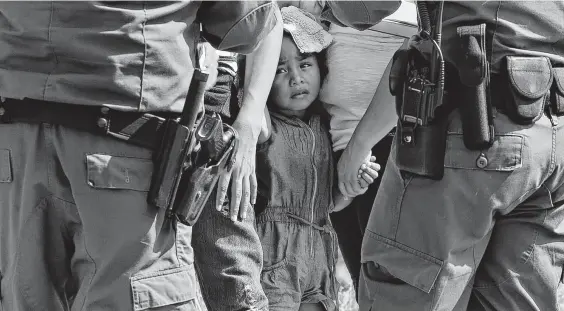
(141, 129)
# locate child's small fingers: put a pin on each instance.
(375, 166)
(372, 159)
(370, 172)
(367, 178)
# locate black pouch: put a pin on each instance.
(529, 80)
(557, 94)
(425, 157)
(473, 92)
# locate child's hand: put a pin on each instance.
(368, 172)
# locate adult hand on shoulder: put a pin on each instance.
(242, 177)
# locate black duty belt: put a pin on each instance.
(141, 129)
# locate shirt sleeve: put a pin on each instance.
(359, 15)
(236, 26)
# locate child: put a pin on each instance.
(295, 176)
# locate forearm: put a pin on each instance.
(259, 74)
(379, 119)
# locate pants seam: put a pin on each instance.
(85, 249)
(42, 203)
(93, 273)
(399, 203)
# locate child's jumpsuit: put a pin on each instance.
(295, 182)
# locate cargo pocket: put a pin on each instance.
(277, 281)
(395, 262)
(503, 156)
(116, 172)
(275, 275)
(5, 166)
(530, 79)
(172, 289)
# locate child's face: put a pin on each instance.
(297, 80)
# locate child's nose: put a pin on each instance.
(296, 77)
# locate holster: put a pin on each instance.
(195, 149)
(218, 143)
(420, 138)
(472, 94)
(170, 160)
(190, 163)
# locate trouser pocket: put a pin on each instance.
(171, 289)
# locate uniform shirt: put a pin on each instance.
(356, 62)
(528, 28)
(132, 56)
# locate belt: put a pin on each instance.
(141, 129)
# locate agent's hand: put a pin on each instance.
(242, 176)
(348, 171)
(367, 173)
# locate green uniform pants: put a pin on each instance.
(76, 231)
(488, 236)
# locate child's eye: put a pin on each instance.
(305, 65)
(280, 70)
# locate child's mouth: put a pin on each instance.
(300, 94)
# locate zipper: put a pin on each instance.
(314, 183)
